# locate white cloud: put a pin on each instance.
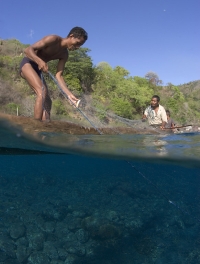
(30, 35)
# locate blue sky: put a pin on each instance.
(159, 35)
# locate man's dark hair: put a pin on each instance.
(157, 97)
(78, 32)
(168, 112)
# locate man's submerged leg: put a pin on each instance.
(46, 107)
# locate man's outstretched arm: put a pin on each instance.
(61, 81)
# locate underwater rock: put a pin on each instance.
(50, 250)
(48, 227)
(69, 239)
(17, 230)
(112, 216)
(29, 218)
(73, 223)
(7, 248)
(79, 214)
(109, 231)
(82, 236)
(70, 259)
(100, 228)
(133, 224)
(92, 224)
(145, 246)
(78, 250)
(3, 256)
(188, 221)
(10, 261)
(62, 253)
(61, 230)
(36, 241)
(32, 230)
(22, 253)
(38, 258)
(56, 261)
(51, 214)
(22, 241)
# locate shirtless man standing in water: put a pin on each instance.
(49, 48)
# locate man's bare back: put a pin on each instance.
(49, 48)
(52, 50)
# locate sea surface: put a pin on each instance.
(119, 199)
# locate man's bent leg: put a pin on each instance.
(36, 84)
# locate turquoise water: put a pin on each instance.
(99, 199)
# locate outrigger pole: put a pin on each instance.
(177, 127)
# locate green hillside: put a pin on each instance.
(101, 87)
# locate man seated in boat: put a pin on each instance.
(170, 122)
(155, 113)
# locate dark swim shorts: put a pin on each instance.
(33, 64)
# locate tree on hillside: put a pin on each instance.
(137, 91)
(80, 67)
(121, 71)
(153, 78)
(106, 80)
(79, 72)
(102, 65)
(123, 92)
(176, 100)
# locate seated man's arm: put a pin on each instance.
(145, 115)
(173, 124)
(164, 119)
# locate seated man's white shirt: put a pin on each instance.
(156, 118)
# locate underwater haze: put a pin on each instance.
(118, 199)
